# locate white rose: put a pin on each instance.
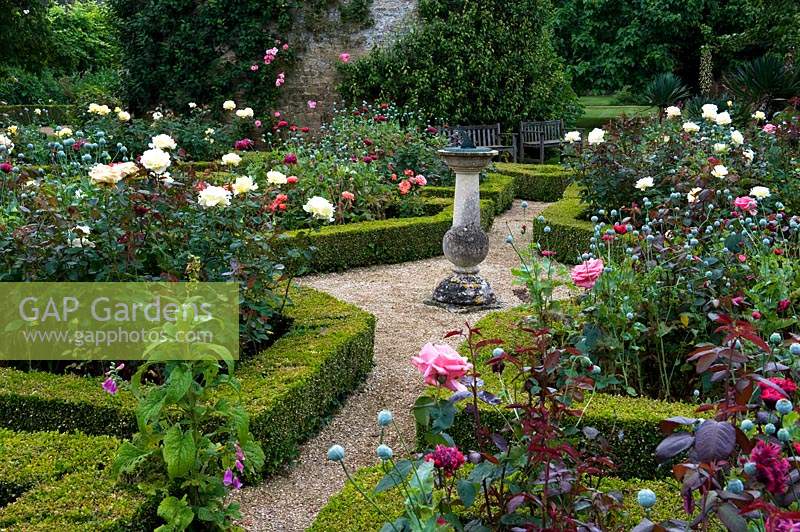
(123, 116)
(229, 105)
(645, 183)
(212, 196)
(572, 137)
(276, 178)
(157, 116)
(231, 159)
(37, 111)
(155, 160)
(759, 115)
(749, 155)
(710, 111)
(691, 127)
(723, 119)
(243, 185)
(719, 171)
(163, 142)
(192, 105)
(247, 112)
(104, 174)
(694, 195)
(320, 208)
(64, 132)
(737, 138)
(125, 169)
(83, 229)
(672, 111)
(720, 147)
(596, 136)
(760, 192)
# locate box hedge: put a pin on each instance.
(497, 188)
(569, 230)
(536, 182)
(347, 511)
(54, 481)
(341, 247)
(288, 389)
(629, 424)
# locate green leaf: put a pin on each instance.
(422, 409)
(150, 408)
(179, 452)
(176, 512)
(395, 477)
(467, 491)
(128, 458)
(178, 383)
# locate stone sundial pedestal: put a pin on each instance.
(465, 245)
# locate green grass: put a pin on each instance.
(600, 109)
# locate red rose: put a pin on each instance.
(6, 167)
(768, 393)
(620, 229)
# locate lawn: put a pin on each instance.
(600, 109)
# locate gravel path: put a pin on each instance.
(395, 294)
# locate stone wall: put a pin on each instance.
(314, 76)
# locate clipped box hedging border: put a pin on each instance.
(347, 511)
(54, 481)
(629, 424)
(288, 389)
(536, 182)
(569, 232)
(498, 188)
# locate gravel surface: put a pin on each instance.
(395, 294)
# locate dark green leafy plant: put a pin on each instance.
(666, 89)
(758, 83)
(193, 445)
(470, 62)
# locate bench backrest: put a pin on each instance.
(547, 130)
(482, 135)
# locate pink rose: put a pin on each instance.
(586, 274)
(441, 365)
(292, 179)
(404, 186)
(344, 57)
(312, 104)
(285, 46)
(770, 129)
(746, 203)
(258, 123)
(421, 181)
(348, 196)
(253, 68)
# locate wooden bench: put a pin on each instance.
(488, 136)
(546, 134)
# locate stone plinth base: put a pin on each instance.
(463, 292)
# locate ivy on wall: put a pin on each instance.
(470, 62)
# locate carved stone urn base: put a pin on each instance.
(464, 292)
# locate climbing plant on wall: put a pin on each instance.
(205, 51)
(470, 62)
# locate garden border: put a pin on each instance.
(629, 424)
(347, 511)
(288, 389)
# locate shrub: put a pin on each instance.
(545, 183)
(83, 37)
(665, 89)
(759, 82)
(19, 86)
(486, 41)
